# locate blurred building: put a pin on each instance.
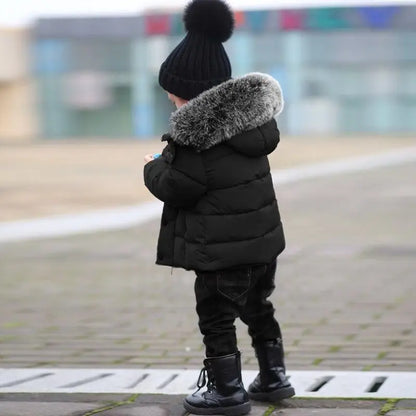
(17, 95)
(343, 70)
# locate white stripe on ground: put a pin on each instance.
(350, 165)
(316, 384)
(126, 217)
(93, 221)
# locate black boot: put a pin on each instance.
(225, 393)
(271, 384)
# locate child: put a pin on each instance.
(220, 217)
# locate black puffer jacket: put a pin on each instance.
(214, 177)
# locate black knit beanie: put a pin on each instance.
(199, 62)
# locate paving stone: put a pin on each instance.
(402, 413)
(91, 398)
(406, 403)
(136, 411)
(167, 366)
(45, 409)
(156, 360)
(325, 412)
(256, 410)
(329, 404)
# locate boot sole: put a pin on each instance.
(241, 409)
(273, 396)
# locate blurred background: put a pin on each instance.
(80, 106)
(344, 69)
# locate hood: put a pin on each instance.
(227, 110)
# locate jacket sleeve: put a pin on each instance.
(177, 177)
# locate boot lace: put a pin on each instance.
(204, 380)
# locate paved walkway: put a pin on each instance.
(345, 288)
(345, 300)
(158, 405)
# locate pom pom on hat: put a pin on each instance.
(212, 18)
(200, 61)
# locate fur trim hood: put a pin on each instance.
(226, 110)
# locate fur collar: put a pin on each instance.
(226, 110)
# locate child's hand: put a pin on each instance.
(148, 158)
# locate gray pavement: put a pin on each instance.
(345, 288)
(162, 405)
(345, 297)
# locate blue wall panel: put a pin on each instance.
(51, 56)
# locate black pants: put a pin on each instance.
(223, 296)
